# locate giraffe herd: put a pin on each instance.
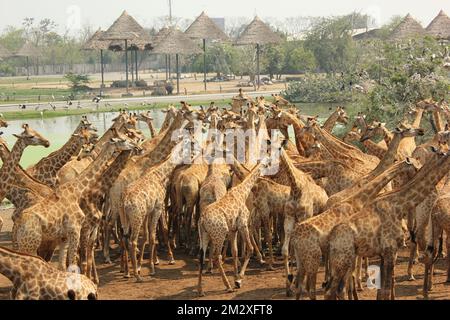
(332, 202)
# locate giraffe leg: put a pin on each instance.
(413, 253)
(300, 279)
(359, 261)
(218, 258)
(133, 244)
(62, 255)
(143, 244)
(72, 249)
(152, 226)
(165, 232)
(448, 258)
(234, 253)
(246, 235)
(268, 239)
(204, 240)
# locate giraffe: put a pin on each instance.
(227, 217)
(309, 238)
(376, 230)
(388, 160)
(28, 137)
(372, 148)
(46, 170)
(239, 101)
(279, 101)
(91, 203)
(338, 116)
(35, 279)
(144, 201)
(58, 219)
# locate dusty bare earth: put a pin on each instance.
(179, 281)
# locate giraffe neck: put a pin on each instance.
(242, 191)
(374, 148)
(113, 171)
(92, 174)
(372, 188)
(390, 155)
(418, 119)
(387, 136)
(330, 122)
(12, 263)
(319, 169)
(119, 125)
(151, 128)
(416, 190)
(16, 154)
(438, 121)
(59, 158)
(165, 146)
(164, 171)
(299, 141)
(297, 180)
(239, 170)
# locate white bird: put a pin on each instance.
(52, 106)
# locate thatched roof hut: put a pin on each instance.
(173, 41)
(440, 26)
(4, 53)
(257, 32)
(126, 28)
(95, 42)
(204, 28)
(28, 50)
(408, 28)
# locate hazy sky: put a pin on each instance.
(101, 13)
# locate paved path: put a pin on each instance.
(135, 100)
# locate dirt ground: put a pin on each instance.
(179, 281)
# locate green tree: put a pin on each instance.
(274, 59)
(300, 60)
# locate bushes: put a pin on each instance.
(318, 88)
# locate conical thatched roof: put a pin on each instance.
(407, 29)
(257, 32)
(4, 53)
(204, 28)
(27, 50)
(125, 28)
(440, 26)
(96, 43)
(173, 41)
(141, 45)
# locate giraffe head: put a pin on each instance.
(342, 115)
(406, 130)
(144, 117)
(31, 137)
(374, 130)
(3, 123)
(86, 135)
(122, 142)
(360, 121)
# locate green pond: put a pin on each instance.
(58, 130)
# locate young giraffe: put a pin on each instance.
(225, 218)
(35, 279)
(338, 116)
(91, 203)
(144, 201)
(376, 230)
(28, 137)
(59, 218)
(46, 170)
(309, 238)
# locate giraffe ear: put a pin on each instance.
(434, 149)
(71, 294)
(408, 161)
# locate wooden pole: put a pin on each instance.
(178, 72)
(204, 62)
(167, 68)
(257, 65)
(126, 63)
(136, 63)
(102, 68)
(28, 68)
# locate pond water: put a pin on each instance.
(58, 130)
